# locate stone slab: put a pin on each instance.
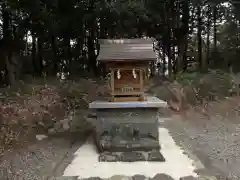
(121, 145)
(139, 177)
(162, 177)
(151, 102)
(120, 177)
(137, 115)
(133, 156)
(63, 178)
(188, 178)
(93, 178)
(108, 157)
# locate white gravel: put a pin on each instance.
(86, 165)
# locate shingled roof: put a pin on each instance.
(126, 50)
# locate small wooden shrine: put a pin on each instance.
(128, 61)
(126, 128)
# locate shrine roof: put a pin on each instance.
(126, 50)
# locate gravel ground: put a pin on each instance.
(39, 161)
(215, 141)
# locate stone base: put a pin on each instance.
(119, 144)
(133, 156)
(133, 132)
(120, 130)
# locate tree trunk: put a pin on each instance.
(199, 36)
(177, 26)
(67, 53)
(7, 41)
(79, 45)
(215, 28)
(164, 60)
(10, 70)
(174, 60)
(169, 53)
(102, 27)
(55, 56)
(185, 21)
(34, 61)
(208, 34)
(92, 58)
(92, 63)
(40, 56)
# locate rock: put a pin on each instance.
(65, 125)
(108, 157)
(78, 122)
(206, 178)
(93, 178)
(162, 177)
(65, 120)
(105, 143)
(51, 131)
(79, 125)
(64, 178)
(41, 137)
(139, 177)
(119, 177)
(41, 123)
(132, 156)
(58, 127)
(188, 178)
(155, 156)
(71, 116)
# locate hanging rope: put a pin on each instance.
(134, 73)
(118, 74)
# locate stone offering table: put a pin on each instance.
(127, 131)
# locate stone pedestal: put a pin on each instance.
(126, 129)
